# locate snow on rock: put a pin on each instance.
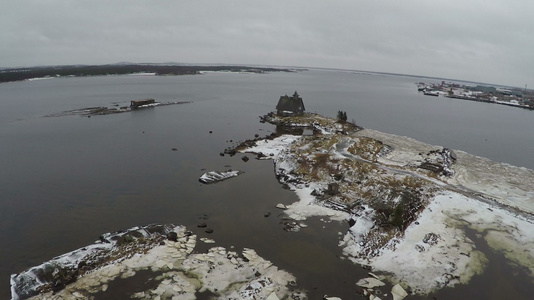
(178, 272)
(443, 191)
(215, 176)
(64, 269)
(426, 263)
(306, 207)
(271, 148)
(363, 223)
(398, 292)
(272, 296)
(507, 184)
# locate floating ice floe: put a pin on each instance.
(215, 176)
(369, 283)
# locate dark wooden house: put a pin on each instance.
(137, 103)
(290, 106)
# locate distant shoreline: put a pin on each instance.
(32, 73)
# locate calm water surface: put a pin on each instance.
(66, 180)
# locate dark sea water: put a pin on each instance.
(66, 180)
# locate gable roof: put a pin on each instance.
(292, 104)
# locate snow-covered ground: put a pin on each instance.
(179, 273)
(506, 184)
(434, 251)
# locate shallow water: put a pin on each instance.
(66, 180)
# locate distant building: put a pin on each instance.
(138, 103)
(290, 106)
(484, 89)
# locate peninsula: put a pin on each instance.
(408, 204)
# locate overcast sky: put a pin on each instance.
(487, 41)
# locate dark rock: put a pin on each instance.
(267, 214)
(257, 274)
(221, 154)
(431, 238)
(209, 230)
(434, 167)
(333, 189)
(289, 225)
(230, 152)
(351, 222)
(202, 225)
(172, 236)
(211, 131)
(244, 158)
(174, 149)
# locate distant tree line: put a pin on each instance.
(17, 74)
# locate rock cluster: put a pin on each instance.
(439, 162)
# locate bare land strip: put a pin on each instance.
(18, 74)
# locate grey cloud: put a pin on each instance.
(473, 40)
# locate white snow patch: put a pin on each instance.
(272, 148)
(454, 258)
(362, 225)
(507, 184)
(306, 207)
(183, 273)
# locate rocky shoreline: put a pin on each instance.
(167, 252)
